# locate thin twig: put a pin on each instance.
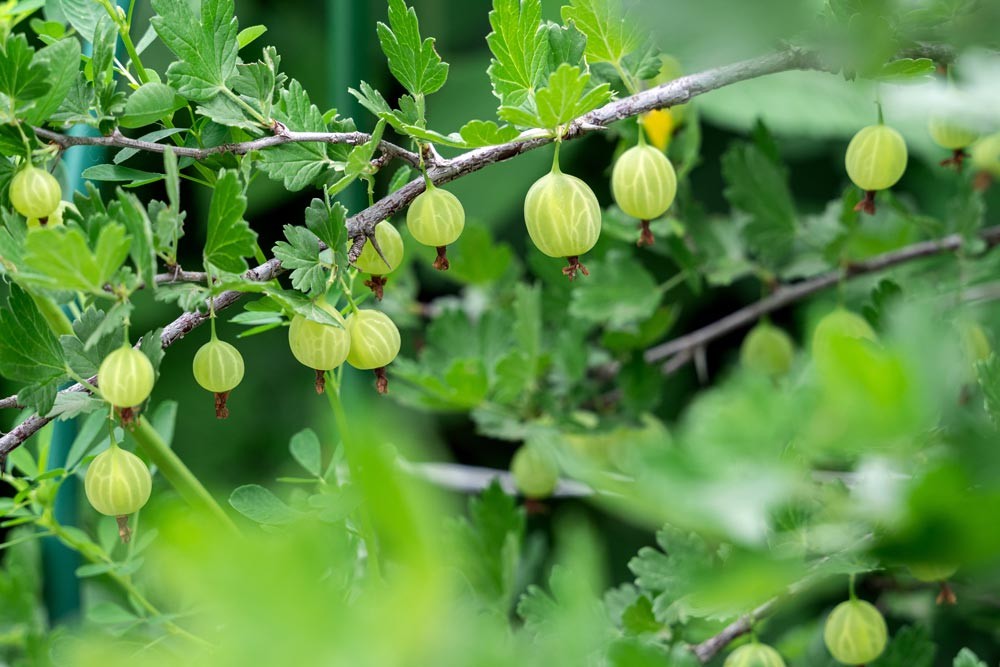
(789, 294)
(281, 136)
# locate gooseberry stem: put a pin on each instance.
(555, 157)
(178, 475)
(366, 528)
(850, 588)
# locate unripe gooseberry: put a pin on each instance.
(117, 484)
(319, 345)
(855, 633)
(436, 218)
(563, 218)
(932, 572)
(126, 378)
(949, 134)
(643, 182)
(55, 219)
(535, 471)
(375, 342)
(34, 192)
(767, 350)
(985, 154)
(391, 244)
(876, 159)
(218, 367)
(754, 655)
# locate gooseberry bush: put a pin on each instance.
(720, 338)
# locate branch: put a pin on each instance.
(281, 136)
(361, 227)
(712, 646)
(790, 294)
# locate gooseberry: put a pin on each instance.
(218, 367)
(55, 219)
(985, 155)
(563, 218)
(117, 484)
(126, 379)
(535, 471)
(375, 343)
(391, 244)
(644, 185)
(319, 345)
(767, 350)
(34, 192)
(876, 159)
(436, 218)
(754, 655)
(855, 633)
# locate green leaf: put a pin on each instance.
(759, 187)
(486, 258)
(61, 62)
(326, 222)
(619, 292)
(258, 504)
(151, 102)
(305, 449)
(61, 258)
(81, 14)
(129, 210)
(910, 647)
(520, 50)
(300, 164)
(489, 544)
(564, 98)
(92, 343)
(414, 62)
(967, 658)
(248, 35)
(479, 133)
(610, 37)
(230, 238)
(20, 78)
(907, 70)
(119, 174)
(301, 254)
(29, 351)
(206, 45)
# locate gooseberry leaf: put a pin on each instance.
(301, 254)
(479, 133)
(910, 647)
(301, 164)
(29, 351)
(610, 37)
(91, 344)
(759, 187)
(205, 45)
(326, 222)
(567, 95)
(61, 63)
(414, 62)
(967, 658)
(230, 238)
(305, 449)
(128, 209)
(62, 258)
(150, 103)
(258, 504)
(20, 78)
(520, 50)
(621, 294)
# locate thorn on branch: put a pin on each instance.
(278, 128)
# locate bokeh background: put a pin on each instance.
(331, 45)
